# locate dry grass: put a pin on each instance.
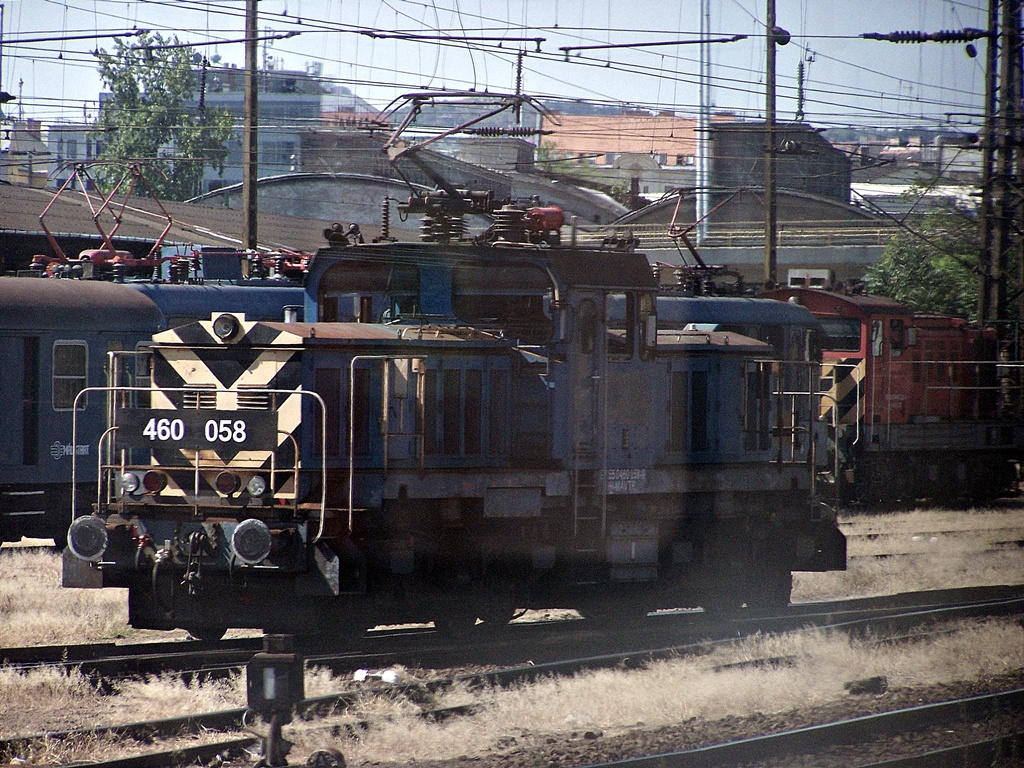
(923, 549)
(665, 693)
(935, 550)
(35, 611)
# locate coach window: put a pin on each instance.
(70, 373)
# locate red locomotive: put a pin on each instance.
(917, 402)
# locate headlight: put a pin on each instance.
(227, 483)
(129, 482)
(256, 486)
(226, 327)
(87, 538)
(251, 541)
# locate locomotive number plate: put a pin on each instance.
(193, 428)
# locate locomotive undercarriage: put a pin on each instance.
(940, 476)
(444, 561)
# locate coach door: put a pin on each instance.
(19, 386)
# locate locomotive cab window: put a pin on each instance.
(622, 340)
(840, 334)
(648, 321)
(896, 335)
(70, 373)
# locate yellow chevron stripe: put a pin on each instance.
(842, 388)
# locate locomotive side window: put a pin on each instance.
(620, 346)
(840, 334)
(70, 373)
(648, 327)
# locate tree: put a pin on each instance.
(148, 117)
(934, 270)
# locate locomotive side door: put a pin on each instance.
(586, 362)
(586, 356)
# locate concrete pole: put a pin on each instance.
(770, 214)
(250, 160)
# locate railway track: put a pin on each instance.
(541, 640)
(536, 640)
(842, 743)
(547, 647)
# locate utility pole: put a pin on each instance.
(704, 126)
(986, 277)
(1006, 209)
(250, 145)
(774, 36)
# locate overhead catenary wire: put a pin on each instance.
(827, 104)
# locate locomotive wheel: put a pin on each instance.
(207, 634)
(771, 592)
(455, 624)
(500, 607)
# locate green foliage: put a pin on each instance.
(147, 119)
(547, 160)
(935, 273)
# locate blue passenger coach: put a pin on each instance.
(55, 338)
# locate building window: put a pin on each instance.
(70, 374)
(277, 152)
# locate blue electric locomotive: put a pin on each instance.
(463, 431)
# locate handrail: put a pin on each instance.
(118, 389)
